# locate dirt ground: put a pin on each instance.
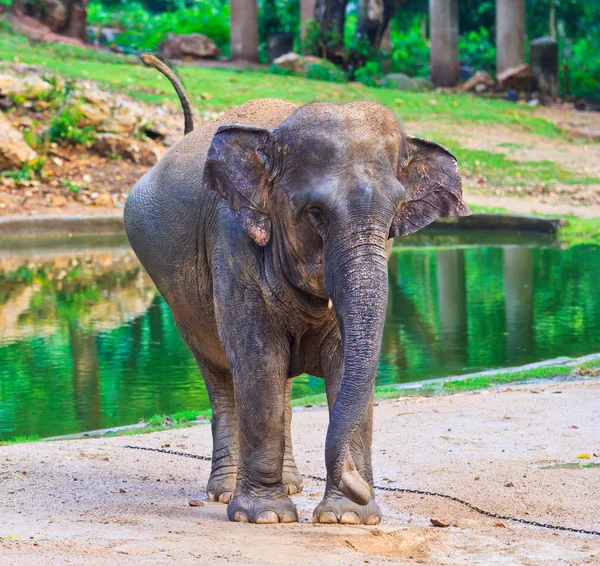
(96, 502)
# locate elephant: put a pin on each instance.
(267, 232)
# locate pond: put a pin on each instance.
(86, 342)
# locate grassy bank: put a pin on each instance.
(213, 89)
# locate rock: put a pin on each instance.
(290, 62)
(400, 81)
(300, 65)
(478, 80)
(543, 53)
(104, 199)
(30, 84)
(59, 200)
(103, 35)
(195, 503)
(55, 15)
(144, 152)
(279, 44)
(195, 45)
(109, 113)
(516, 78)
(422, 84)
(14, 151)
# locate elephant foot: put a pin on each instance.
(292, 480)
(221, 485)
(337, 508)
(266, 506)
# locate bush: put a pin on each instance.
(410, 52)
(476, 49)
(143, 31)
(371, 74)
(583, 63)
(64, 126)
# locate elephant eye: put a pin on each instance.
(316, 217)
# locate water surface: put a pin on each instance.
(86, 341)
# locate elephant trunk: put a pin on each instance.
(357, 282)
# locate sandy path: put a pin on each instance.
(94, 502)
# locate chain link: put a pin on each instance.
(406, 490)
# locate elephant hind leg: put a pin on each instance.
(219, 384)
(292, 480)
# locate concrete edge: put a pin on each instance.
(507, 222)
(59, 225)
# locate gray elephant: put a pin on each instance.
(267, 232)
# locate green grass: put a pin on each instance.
(217, 89)
(178, 418)
(19, 440)
(500, 171)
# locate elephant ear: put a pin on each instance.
(429, 174)
(238, 168)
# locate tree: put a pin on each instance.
(373, 19)
(331, 17)
(510, 34)
(244, 30)
(443, 18)
(65, 17)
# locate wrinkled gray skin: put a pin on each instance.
(249, 226)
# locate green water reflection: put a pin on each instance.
(86, 342)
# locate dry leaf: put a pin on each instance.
(499, 524)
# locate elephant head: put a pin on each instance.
(327, 190)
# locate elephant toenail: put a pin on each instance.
(289, 516)
(291, 489)
(225, 497)
(267, 517)
(350, 518)
(240, 517)
(373, 520)
(327, 517)
(211, 496)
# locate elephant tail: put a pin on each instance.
(151, 60)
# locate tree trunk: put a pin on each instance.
(373, 19)
(244, 30)
(18, 8)
(64, 17)
(510, 34)
(331, 17)
(307, 11)
(77, 22)
(443, 22)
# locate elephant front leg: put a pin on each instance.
(292, 480)
(335, 506)
(260, 389)
(223, 474)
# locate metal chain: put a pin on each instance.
(406, 490)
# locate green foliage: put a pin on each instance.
(325, 71)
(584, 68)
(27, 172)
(64, 126)
(410, 52)
(143, 30)
(476, 49)
(371, 74)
